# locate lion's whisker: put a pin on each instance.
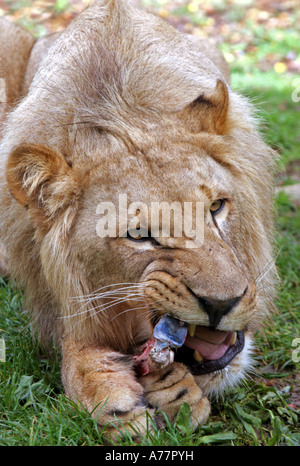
(267, 268)
(102, 307)
(141, 307)
(99, 311)
(114, 303)
(132, 309)
(107, 293)
(110, 293)
(105, 306)
(264, 287)
(106, 296)
(262, 276)
(128, 285)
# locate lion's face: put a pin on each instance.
(140, 277)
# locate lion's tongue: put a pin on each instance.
(210, 344)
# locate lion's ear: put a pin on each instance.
(209, 111)
(40, 178)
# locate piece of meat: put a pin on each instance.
(156, 353)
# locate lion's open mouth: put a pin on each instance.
(202, 349)
(207, 350)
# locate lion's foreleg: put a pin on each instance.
(104, 382)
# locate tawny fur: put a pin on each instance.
(129, 105)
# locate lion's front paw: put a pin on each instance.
(122, 413)
(116, 401)
(134, 427)
(104, 382)
(167, 391)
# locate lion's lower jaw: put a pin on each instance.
(216, 383)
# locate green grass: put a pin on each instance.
(33, 408)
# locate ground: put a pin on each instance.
(260, 40)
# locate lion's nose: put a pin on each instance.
(216, 309)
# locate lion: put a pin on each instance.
(122, 104)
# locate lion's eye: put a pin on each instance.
(140, 234)
(217, 206)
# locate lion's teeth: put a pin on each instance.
(198, 356)
(191, 329)
(233, 339)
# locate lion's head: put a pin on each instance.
(154, 120)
